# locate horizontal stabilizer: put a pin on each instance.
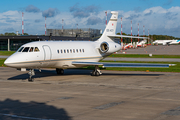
(106, 64)
(125, 36)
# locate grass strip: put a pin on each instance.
(2, 62)
(7, 53)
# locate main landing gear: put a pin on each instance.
(96, 72)
(59, 71)
(31, 73)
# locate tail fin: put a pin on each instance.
(110, 28)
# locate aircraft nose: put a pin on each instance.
(7, 62)
(10, 61)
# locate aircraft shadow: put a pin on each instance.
(47, 73)
(67, 72)
(132, 74)
(17, 110)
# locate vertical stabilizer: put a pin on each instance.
(110, 28)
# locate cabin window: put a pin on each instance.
(58, 51)
(83, 50)
(61, 51)
(26, 49)
(20, 49)
(79, 50)
(67, 51)
(70, 50)
(36, 49)
(64, 51)
(73, 50)
(31, 49)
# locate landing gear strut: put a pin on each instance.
(31, 73)
(59, 71)
(96, 72)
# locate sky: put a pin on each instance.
(161, 17)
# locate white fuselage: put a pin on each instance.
(165, 42)
(57, 54)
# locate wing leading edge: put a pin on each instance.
(106, 64)
(125, 36)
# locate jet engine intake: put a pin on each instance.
(104, 47)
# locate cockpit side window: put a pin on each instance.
(20, 49)
(26, 49)
(36, 49)
(31, 49)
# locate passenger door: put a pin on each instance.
(47, 52)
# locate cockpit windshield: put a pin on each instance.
(20, 49)
(28, 49)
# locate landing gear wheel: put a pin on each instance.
(31, 79)
(93, 73)
(59, 71)
(96, 72)
(31, 73)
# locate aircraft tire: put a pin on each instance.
(97, 73)
(93, 73)
(31, 79)
(59, 71)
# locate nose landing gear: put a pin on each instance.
(31, 73)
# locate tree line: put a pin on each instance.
(11, 34)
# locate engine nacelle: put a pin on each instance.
(109, 47)
(104, 47)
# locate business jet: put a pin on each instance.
(71, 54)
(166, 42)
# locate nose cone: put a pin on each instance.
(12, 61)
(8, 61)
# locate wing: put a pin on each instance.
(106, 64)
(115, 36)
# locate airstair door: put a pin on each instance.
(47, 52)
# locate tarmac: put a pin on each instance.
(76, 95)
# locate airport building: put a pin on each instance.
(84, 32)
(12, 43)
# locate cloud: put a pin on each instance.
(94, 21)
(9, 29)
(82, 12)
(51, 12)
(31, 8)
(150, 12)
(37, 20)
(56, 24)
(133, 16)
(171, 15)
(8, 20)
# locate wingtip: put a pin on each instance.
(172, 64)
